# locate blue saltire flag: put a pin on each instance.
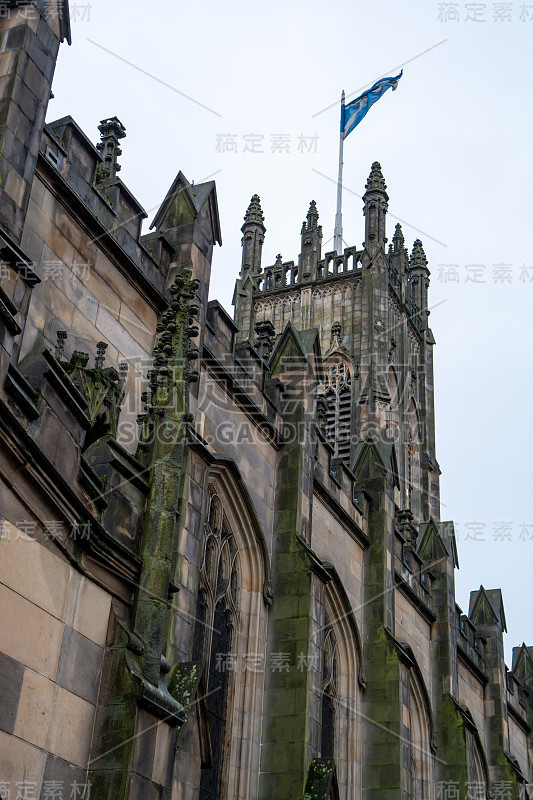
(355, 111)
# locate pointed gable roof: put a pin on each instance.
(437, 540)
(381, 453)
(486, 607)
(184, 202)
(447, 534)
(523, 663)
(430, 545)
(296, 345)
(243, 286)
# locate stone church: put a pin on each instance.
(223, 572)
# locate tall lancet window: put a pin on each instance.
(340, 738)
(409, 467)
(216, 622)
(476, 763)
(416, 739)
(412, 461)
(329, 696)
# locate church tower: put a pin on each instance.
(370, 307)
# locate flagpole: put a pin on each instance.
(337, 236)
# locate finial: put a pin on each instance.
(279, 260)
(418, 257)
(123, 373)
(111, 131)
(101, 347)
(61, 342)
(254, 213)
(376, 181)
(265, 333)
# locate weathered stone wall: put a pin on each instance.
(411, 628)
(53, 630)
(471, 694)
(84, 293)
(333, 543)
(520, 747)
(348, 668)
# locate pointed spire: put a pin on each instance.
(398, 239)
(376, 181)
(312, 216)
(311, 244)
(111, 132)
(375, 208)
(254, 213)
(418, 257)
(399, 263)
(419, 282)
(253, 230)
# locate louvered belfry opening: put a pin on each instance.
(338, 386)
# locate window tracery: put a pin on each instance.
(217, 620)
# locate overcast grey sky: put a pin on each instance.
(454, 142)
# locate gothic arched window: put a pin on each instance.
(476, 764)
(340, 737)
(329, 696)
(417, 755)
(229, 641)
(216, 621)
